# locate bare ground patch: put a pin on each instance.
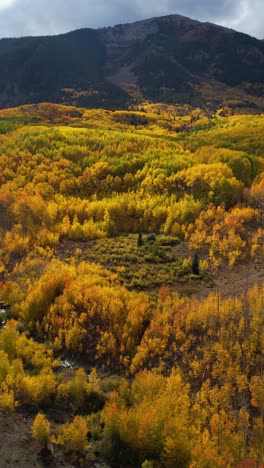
(17, 448)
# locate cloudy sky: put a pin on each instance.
(38, 17)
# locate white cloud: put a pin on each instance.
(251, 20)
(6, 3)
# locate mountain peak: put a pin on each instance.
(139, 30)
(168, 59)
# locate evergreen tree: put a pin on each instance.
(195, 264)
(139, 240)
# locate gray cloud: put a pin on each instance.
(38, 17)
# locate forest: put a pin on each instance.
(131, 283)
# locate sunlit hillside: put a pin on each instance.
(131, 283)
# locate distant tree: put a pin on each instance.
(196, 264)
(139, 240)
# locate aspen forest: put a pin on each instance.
(131, 283)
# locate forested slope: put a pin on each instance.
(114, 228)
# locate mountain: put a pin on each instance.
(168, 59)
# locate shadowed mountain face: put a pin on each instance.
(169, 59)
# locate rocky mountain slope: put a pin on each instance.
(168, 59)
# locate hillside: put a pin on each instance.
(170, 59)
(131, 287)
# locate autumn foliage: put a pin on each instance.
(94, 216)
